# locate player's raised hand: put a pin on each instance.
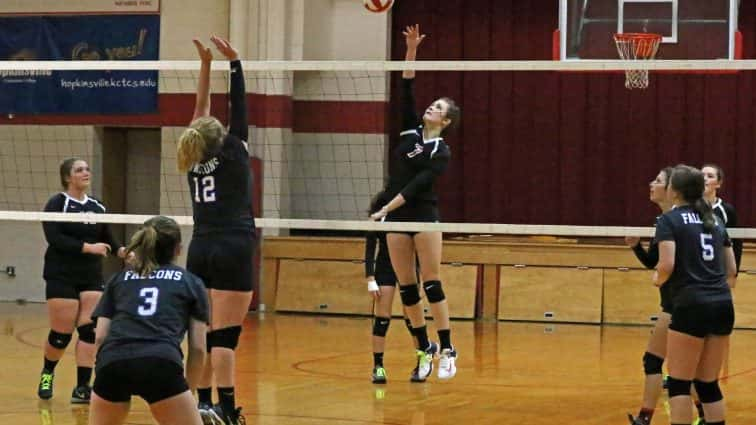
(225, 48)
(412, 36)
(205, 54)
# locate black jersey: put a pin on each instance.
(150, 315)
(221, 185)
(377, 264)
(415, 162)
(650, 259)
(64, 261)
(729, 217)
(699, 275)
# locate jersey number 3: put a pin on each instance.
(207, 193)
(149, 297)
(707, 249)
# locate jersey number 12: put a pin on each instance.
(207, 194)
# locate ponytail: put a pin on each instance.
(154, 244)
(204, 135)
(707, 214)
(190, 150)
(142, 245)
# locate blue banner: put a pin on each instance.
(106, 37)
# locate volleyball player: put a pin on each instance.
(713, 176)
(381, 282)
(696, 261)
(223, 242)
(418, 160)
(656, 351)
(141, 320)
(73, 277)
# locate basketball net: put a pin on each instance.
(633, 47)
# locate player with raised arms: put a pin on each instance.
(418, 160)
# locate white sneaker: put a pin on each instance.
(425, 361)
(446, 364)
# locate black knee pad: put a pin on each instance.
(678, 387)
(708, 392)
(381, 325)
(225, 338)
(652, 364)
(58, 340)
(434, 291)
(410, 294)
(87, 333)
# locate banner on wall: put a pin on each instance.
(84, 37)
(44, 7)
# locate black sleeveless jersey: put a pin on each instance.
(221, 185)
(150, 314)
(415, 162)
(729, 217)
(700, 275)
(64, 261)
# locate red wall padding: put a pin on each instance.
(570, 148)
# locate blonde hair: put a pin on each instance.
(203, 135)
(154, 244)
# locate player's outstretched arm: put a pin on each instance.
(202, 101)
(413, 38)
(238, 93)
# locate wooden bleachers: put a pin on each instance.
(486, 278)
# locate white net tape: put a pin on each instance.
(364, 225)
(493, 65)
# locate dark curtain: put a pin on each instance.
(569, 148)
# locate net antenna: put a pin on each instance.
(637, 47)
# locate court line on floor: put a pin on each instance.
(300, 367)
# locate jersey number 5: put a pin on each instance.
(149, 297)
(207, 194)
(707, 249)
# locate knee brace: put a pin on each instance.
(410, 294)
(678, 387)
(652, 364)
(225, 338)
(87, 333)
(380, 326)
(433, 291)
(708, 392)
(58, 340)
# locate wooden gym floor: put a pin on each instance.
(313, 370)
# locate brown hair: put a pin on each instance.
(453, 113)
(65, 171)
(204, 135)
(689, 183)
(154, 244)
(717, 168)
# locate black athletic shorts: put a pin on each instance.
(700, 320)
(666, 300)
(426, 212)
(224, 260)
(384, 275)
(152, 378)
(61, 289)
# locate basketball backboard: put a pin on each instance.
(692, 29)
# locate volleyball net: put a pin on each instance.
(320, 137)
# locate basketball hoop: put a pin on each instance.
(633, 47)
